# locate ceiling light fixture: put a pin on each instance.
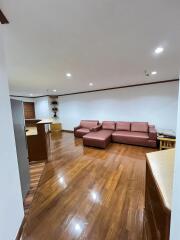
(153, 73)
(31, 94)
(54, 90)
(159, 50)
(90, 84)
(68, 75)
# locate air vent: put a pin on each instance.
(3, 19)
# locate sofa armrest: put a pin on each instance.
(76, 128)
(95, 129)
(152, 132)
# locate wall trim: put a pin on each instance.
(67, 131)
(100, 90)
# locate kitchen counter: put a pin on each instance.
(38, 140)
(162, 167)
(158, 198)
(31, 131)
(45, 121)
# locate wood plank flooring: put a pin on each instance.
(89, 193)
(36, 169)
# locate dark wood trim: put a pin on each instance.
(68, 131)
(20, 96)
(114, 88)
(103, 89)
(3, 19)
(19, 234)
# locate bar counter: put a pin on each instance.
(37, 139)
(159, 185)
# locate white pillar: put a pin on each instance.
(11, 206)
(175, 217)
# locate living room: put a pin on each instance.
(90, 92)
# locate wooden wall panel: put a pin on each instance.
(29, 110)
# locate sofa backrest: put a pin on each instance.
(123, 126)
(139, 127)
(89, 123)
(108, 125)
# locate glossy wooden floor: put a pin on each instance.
(36, 170)
(88, 193)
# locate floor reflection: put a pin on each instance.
(95, 196)
(62, 181)
(77, 227)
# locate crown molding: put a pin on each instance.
(100, 90)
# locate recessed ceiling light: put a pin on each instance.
(159, 50)
(153, 73)
(90, 84)
(31, 94)
(68, 75)
(54, 90)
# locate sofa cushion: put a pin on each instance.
(83, 130)
(127, 134)
(123, 126)
(89, 123)
(139, 127)
(100, 135)
(108, 125)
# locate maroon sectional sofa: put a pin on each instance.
(85, 127)
(135, 133)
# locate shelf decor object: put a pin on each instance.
(55, 109)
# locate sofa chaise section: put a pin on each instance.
(85, 127)
(100, 138)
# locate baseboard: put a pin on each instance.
(68, 131)
(19, 234)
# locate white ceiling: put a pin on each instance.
(107, 42)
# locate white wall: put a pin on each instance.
(155, 103)
(42, 108)
(175, 219)
(11, 206)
